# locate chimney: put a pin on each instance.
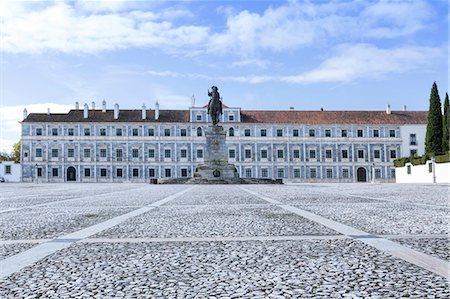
(156, 110)
(85, 112)
(77, 106)
(104, 106)
(388, 109)
(116, 111)
(25, 113)
(48, 111)
(144, 111)
(93, 105)
(404, 107)
(193, 101)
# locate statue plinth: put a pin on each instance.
(216, 166)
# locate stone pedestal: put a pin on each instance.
(216, 167)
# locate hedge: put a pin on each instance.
(421, 160)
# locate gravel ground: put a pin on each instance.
(386, 218)
(205, 221)
(269, 269)
(36, 223)
(438, 247)
(7, 250)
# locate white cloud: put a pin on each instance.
(10, 116)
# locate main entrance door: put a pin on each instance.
(362, 174)
(71, 174)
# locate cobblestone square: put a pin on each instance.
(224, 241)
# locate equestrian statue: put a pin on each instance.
(214, 105)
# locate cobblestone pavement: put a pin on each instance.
(222, 241)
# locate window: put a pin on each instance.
(184, 172)
(199, 131)
(135, 153)
(166, 132)
(168, 172)
(264, 172)
(39, 171)
(167, 153)
(329, 173)
(430, 167)
(25, 154)
(232, 153)
(151, 172)
(312, 132)
(231, 117)
(103, 153)
(54, 153)
(344, 154)
(296, 172)
(183, 132)
(55, 132)
(54, 171)
(312, 154)
(198, 117)
(103, 172)
(391, 133)
(376, 133)
(412, 139)
(280, 154)
(393, 173)
(119, 172)
(87, 132)
(295, 133)
(7, 169)
(413, 152)
(279, 132)
(376, 154)
(393, 154)
(408, 169)
(135, 172)
(183, 153)
(70, 153)
(231, 132)
(313, 173)
(199, 153)
(263, 132)
(135, 132)
(360, 154)
(70, 132)
(119, 154)
(102, 132)
(343, 133)
(327, 133)
(87, 152)
(151, 132)
(280, 172)
(118, 132)
(296, 154)
(87, 172)
(345, 173)
(360, 133)
(38, 153)
(248, 153)
(248, 172)
(151, 153)
(247, 132)
(38, 131)
(264, 154)
(328, 154)
(377, 173)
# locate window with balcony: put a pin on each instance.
(70, 153)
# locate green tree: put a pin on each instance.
(16, 152)
(4, 156)
(433, 140)
(446, 126)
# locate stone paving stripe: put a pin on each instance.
(64, 240)
(425, 236)
(363, 236)
(26, 258)
(395, 201)
(23, 241)
(430, 263)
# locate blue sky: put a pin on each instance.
(339, 55)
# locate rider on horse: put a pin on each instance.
(214, 105)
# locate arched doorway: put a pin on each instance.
(71, 174)
(362, 174)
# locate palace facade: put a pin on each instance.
(104, 145)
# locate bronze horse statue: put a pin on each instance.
(214, 105)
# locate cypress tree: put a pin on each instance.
(433, 140)
(445, 126)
